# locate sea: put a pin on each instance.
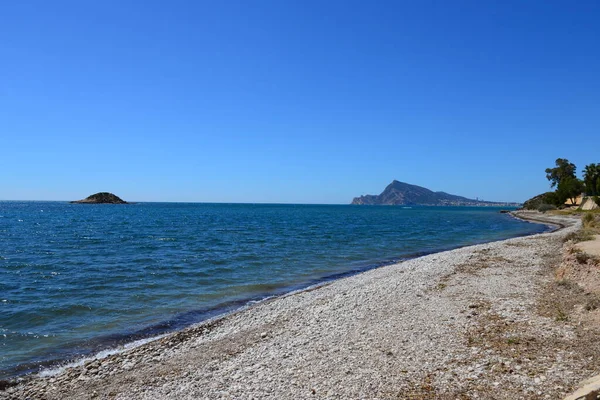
(79, 279)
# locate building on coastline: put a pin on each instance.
(589, 203)
(582, 202)
(577, 202)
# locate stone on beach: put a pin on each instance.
(423, 328)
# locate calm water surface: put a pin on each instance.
(75, 279)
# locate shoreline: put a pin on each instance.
(52, 367)
(535, 217)
(238, 322)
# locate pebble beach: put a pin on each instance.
(463, 323)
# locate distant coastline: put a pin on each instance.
(405, 194)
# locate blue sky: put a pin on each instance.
(294, 101)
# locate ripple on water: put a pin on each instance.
(76, 280)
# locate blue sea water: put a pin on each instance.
(76, 279)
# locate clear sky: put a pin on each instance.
(294, 101)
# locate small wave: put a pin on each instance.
(252, 302)
(52, 371)
(88, 248)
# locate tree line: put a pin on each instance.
(568, 186)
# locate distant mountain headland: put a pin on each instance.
(101, 198)
(401, 193)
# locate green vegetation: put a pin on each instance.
(546, 207)
(591, 178)
(513, 340)
(561, 316)
(588, 221)
(536, 202)
(563, 170)
(579, 236)
(569, 189)
(590, 226)
(567, 186)
(101, 198)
